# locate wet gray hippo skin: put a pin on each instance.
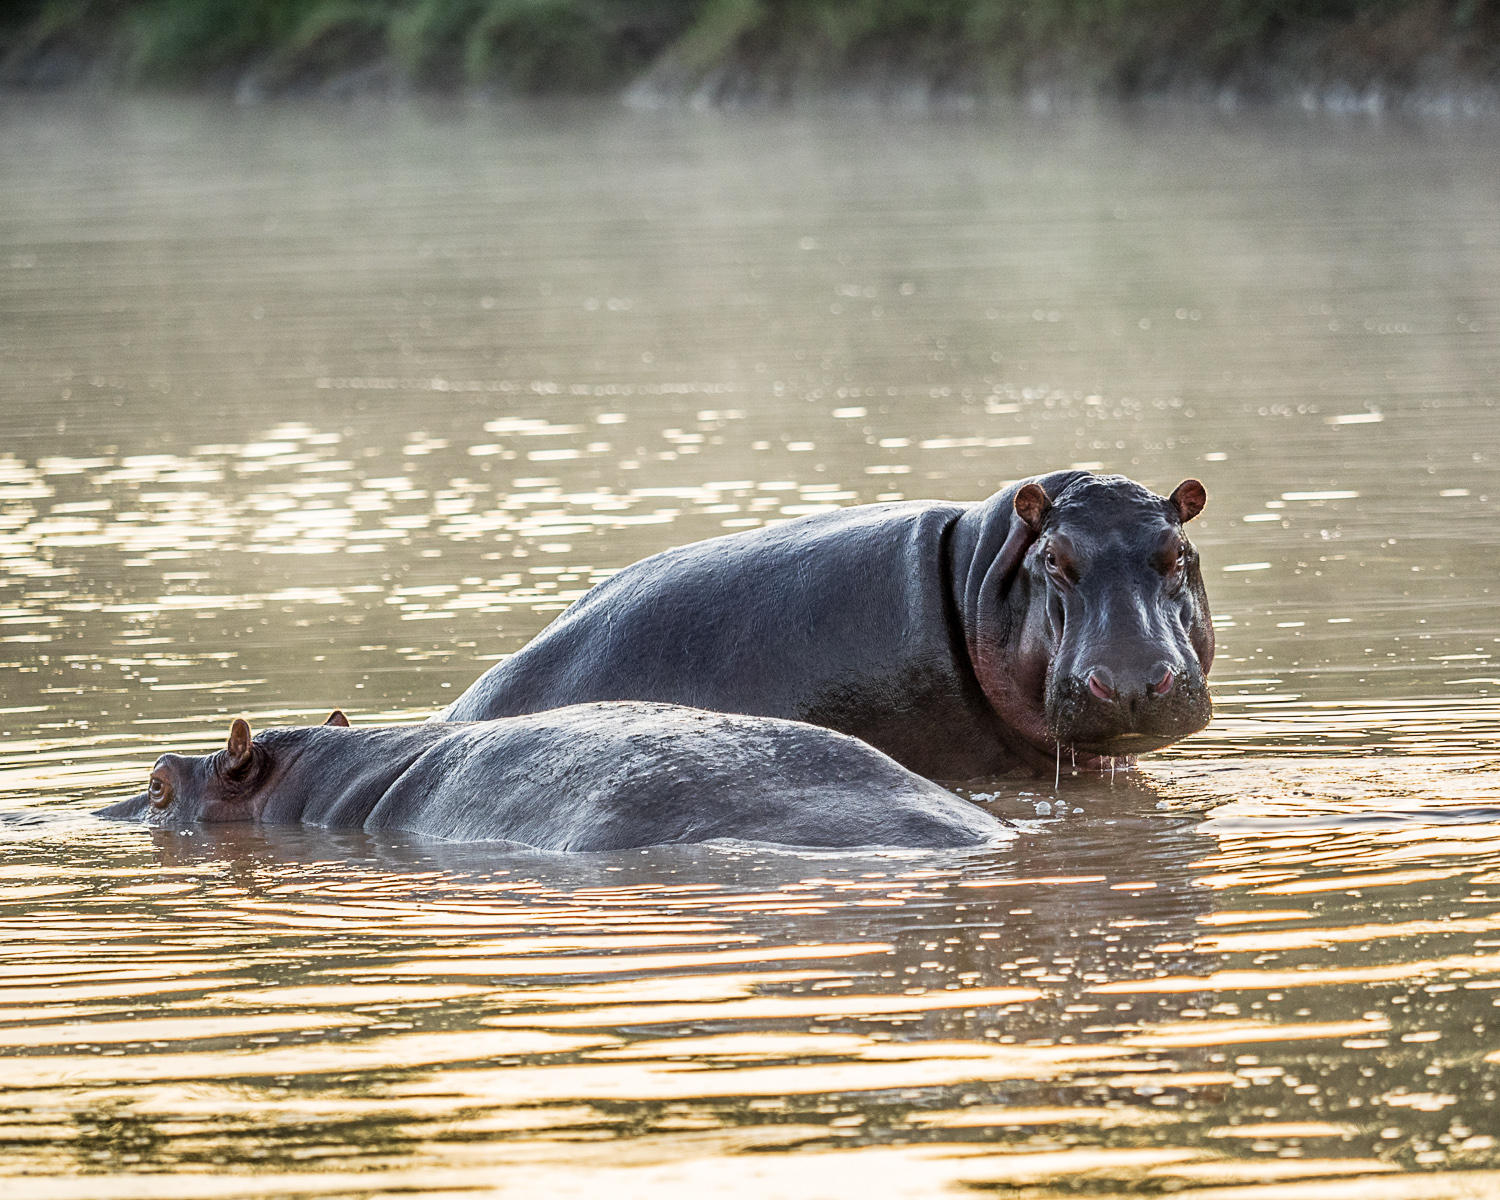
(588, 777)
(1065, 614)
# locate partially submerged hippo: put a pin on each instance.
(588, 777)
(1066, 614)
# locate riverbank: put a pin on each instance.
(1341, 54)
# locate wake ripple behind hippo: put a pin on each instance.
(1066, 613)
(589, 777)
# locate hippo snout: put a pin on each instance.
(1114, 711)
(1157, 682)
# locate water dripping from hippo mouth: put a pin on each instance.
(1092, 749)
(1090, 762)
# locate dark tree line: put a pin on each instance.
(727, 49)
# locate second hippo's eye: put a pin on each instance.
(1051, 560)
(159, 792)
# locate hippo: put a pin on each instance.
(1065, 614)
(607, 776)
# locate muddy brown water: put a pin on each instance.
(305, 407)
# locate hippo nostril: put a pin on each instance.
(1101, 688)
(1164, 685)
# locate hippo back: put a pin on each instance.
(616, 775)
(845, 619)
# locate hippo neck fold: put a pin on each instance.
(989, 543)
(980, 538)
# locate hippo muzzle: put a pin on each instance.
(1125, 677)
(1114, 713)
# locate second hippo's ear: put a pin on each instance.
(1032, 506)
(1188, 499)
(336, 717)
(237, 750)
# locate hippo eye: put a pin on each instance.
(1182, 554)
(159, 794)
(1051, 560)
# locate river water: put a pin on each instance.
(304, 407)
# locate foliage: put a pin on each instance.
(529, 46)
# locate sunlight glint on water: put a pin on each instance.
(309, 407)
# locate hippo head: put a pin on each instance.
(229, 785)
(1106, 634)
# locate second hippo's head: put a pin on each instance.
(228, 785)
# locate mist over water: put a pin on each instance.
(304, 407)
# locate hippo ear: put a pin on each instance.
(1032, 506)
(237, 750)
(1188, 499)
(336, 717)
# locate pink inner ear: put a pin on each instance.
(239, 739)
(1032, 505)
(1189, 499)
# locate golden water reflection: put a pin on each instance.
(1043, 1015)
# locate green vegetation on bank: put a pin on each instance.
(728, 49)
